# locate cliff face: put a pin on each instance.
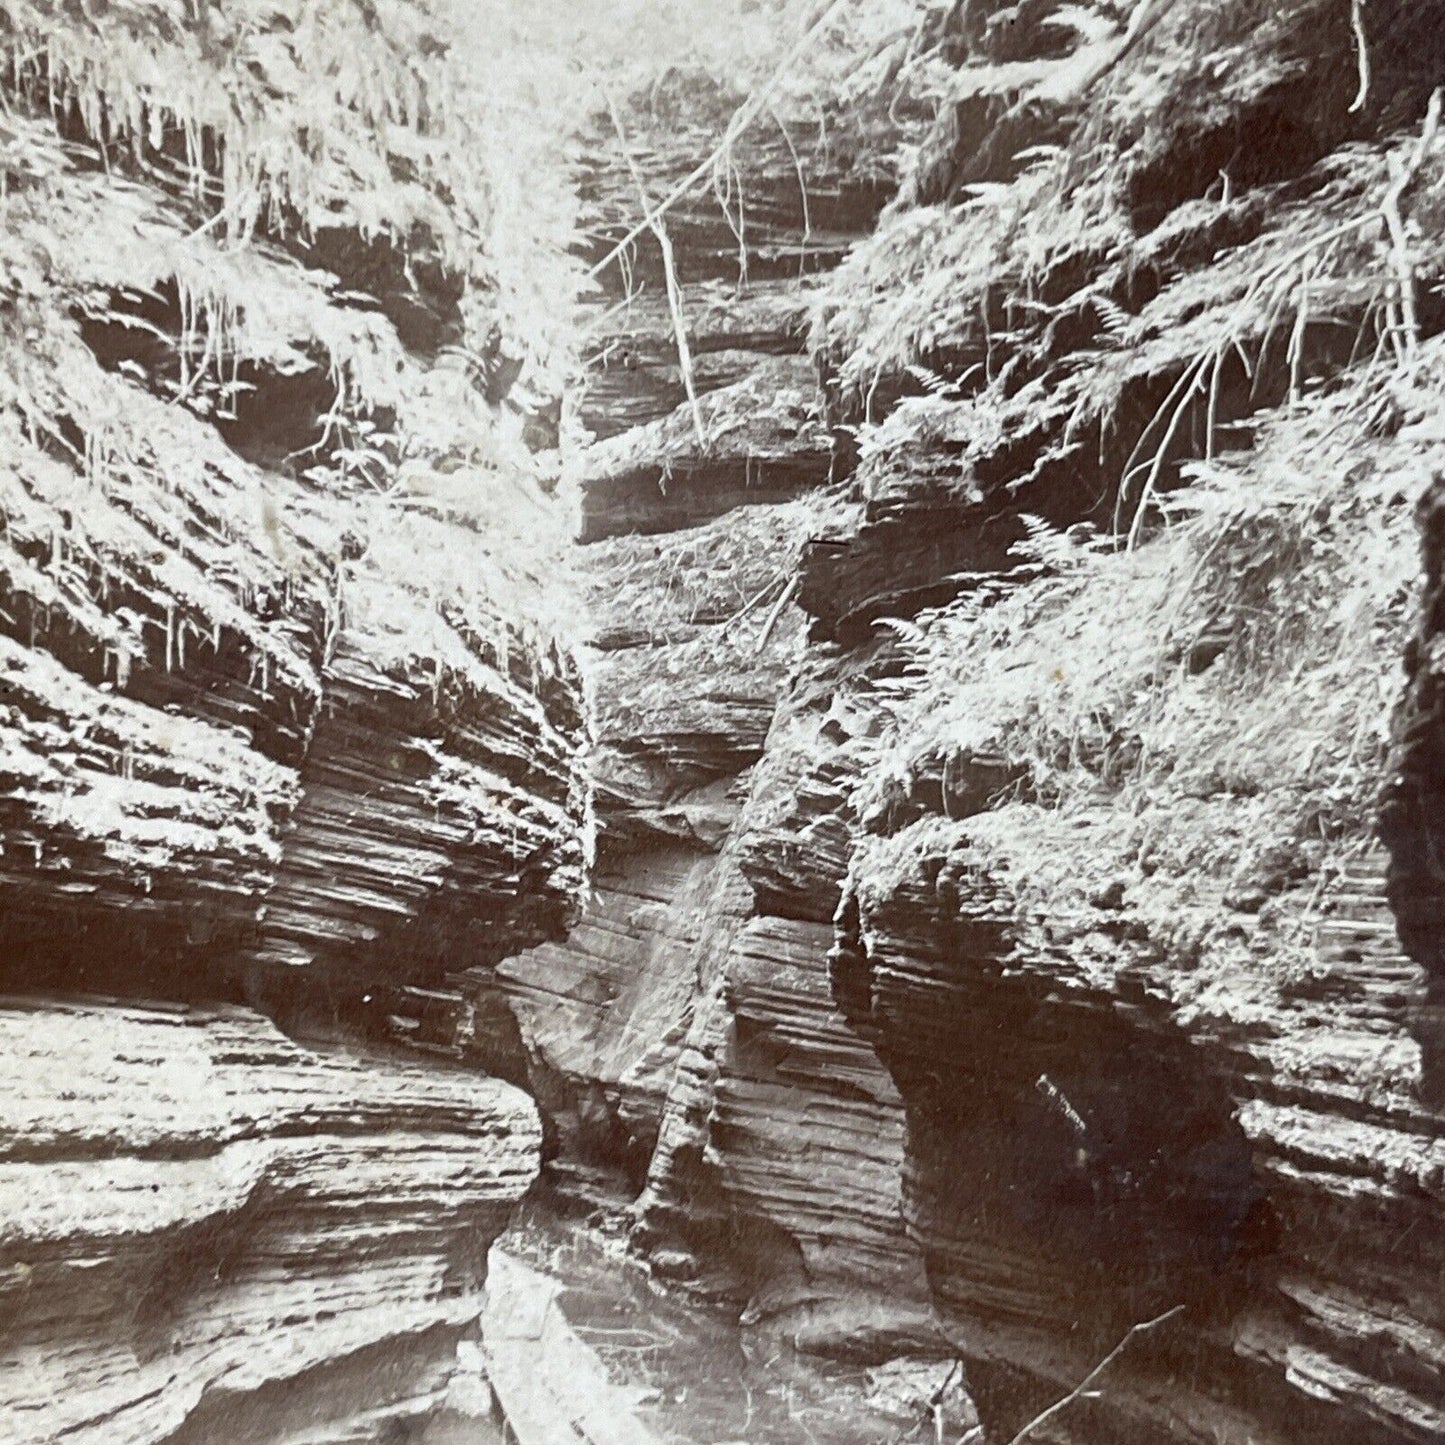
(995, 661)
(228, 677)
(213, 1231)
(289, 725)
(1118, 923)
(1042, 974)
(687, 1025)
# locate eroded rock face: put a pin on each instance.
(807, 1133)
(289, 724)
(210, 1230)
(687, 1021)
(804, 1131)
(604, 1012)
(869, 1086)
(1412, 814)
(1111, 1121)
(1082, 1157)
(321, 822)
(1197, 1092)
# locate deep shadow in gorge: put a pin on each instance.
(1071, 1166)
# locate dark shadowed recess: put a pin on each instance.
(274, 420)
(923, 549)
(1412, 822)
(1073, 1169)
(408, 282)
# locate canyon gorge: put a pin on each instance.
(722, 723)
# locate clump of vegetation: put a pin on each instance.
(1160, 732)
(1193, 732)
(1098, 667)
(1089, 158)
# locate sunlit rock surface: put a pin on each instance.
(210, 1231)
(290, 727)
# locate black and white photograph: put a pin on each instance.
(722, 722)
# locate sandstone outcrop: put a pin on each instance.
(1159, 1045)
(1000, 680)
(1051, 986)
(209, 1229)
(289, 723)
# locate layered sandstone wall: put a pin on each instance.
(687, 1022)
(210, 1230)
(1052, 983)
(289, 725)
(993, 949)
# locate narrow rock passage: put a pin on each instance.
(720, 723)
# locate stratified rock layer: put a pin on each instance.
(209, 1230)
(1200, 1162)
(288, 716)
(687, 1021)
(1187, 1109)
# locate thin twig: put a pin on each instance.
(1187, 378)
(776, 613)
(1296, 352)
(1142, 1328)
(669, 271)
(1362, 54)
(743, 117)
(679, 326)
(802, 183)
(748, 606)
(729, 172)
(1395, 224)
(1211, 419)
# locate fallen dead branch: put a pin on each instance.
(777, 612)
(669, 271)
(1362, 54)
(1081, 1390)
(1395, 224)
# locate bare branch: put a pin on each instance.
(1140, 1329)
(669, 271)
(777, 612)
(1395, 225)
(1362, 54)
(743, 117)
